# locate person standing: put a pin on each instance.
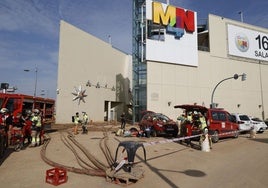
(9, 125)
(181, 119)
(76, 122)
(84, 122)
(123, 121)
(25, 124)
(4, 116)
(36, 128)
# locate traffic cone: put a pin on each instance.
(205, 142)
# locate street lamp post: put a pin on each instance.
(236, 76)
(35, 84)
(262, 105)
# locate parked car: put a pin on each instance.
(243, 122)
(258, 125)
(219, 122)
(156, 124)
(266, 122)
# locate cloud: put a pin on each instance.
(29, 30)
(29, 16)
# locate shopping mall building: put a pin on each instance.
(174, 61)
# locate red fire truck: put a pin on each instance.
(17, 103)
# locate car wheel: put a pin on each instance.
(260, 130)
(215, 137)
(236, 134)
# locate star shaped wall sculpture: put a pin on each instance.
(79, 94)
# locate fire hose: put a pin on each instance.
(97, 169)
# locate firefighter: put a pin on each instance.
(189, 117)
(36, 128)
(76, 122)
(203, 123)
(9, 125)
(181, 119)
(84, 122)
(3, 117)
(24, 117)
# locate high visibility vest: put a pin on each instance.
(203, 122)
(37, 120)
(189, 118)
(76, 119)
(85, 118)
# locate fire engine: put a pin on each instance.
(17, 103)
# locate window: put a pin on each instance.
(218, 116)
(231, 118)
(244, 118)
(156, 32)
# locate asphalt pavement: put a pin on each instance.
(240, 162)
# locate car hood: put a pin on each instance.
(189, 107)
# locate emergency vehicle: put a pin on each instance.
(219, 122)
(17, 103)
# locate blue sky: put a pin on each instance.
(29, 31)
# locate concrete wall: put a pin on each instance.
(83, 57)
(187, 85)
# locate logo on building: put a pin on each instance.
(176, 19)
(242, 42)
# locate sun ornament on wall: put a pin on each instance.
(79, 94)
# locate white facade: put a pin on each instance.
(169, 85)
(171, 48)
(85, 60)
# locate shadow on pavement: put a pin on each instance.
(189, 172)
(6, 155)
(263, 140)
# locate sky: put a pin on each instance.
(29, 32)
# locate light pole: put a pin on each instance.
(262, 105)
(243, 78)
(241, 16)
(35, 84)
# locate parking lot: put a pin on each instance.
(240, 162)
